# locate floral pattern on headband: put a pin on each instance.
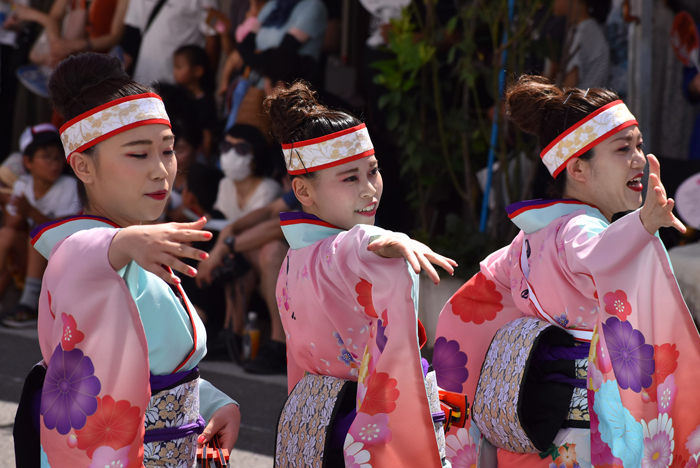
(311, 157)
(108, 120)
(586, 133)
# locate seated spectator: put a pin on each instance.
(188, 142)
(198, 198)
(258, 238)
(246, 162)
(43, 195)
(154, 32)
(295, 26)
(191, 69)
(588, 56)
(98, 29)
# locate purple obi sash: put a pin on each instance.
(173, 412)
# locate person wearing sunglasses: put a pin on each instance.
(246, 163)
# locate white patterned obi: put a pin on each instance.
(173, 422)
(531, 385)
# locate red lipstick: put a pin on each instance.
(159, 195)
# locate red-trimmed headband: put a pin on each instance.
(328, 151)
(586, 134)
(112, 118)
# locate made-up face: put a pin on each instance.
(344, 195)
(129, 178)
(614, 175)
(47, 163)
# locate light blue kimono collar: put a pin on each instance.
(302, 229)
(46, 236)
(533, 215)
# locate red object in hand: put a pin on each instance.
(212, 452)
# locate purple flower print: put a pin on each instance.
(70, 391)
(632, 359)
(450, 365)
(562, 320)
(381, 337)
(345, 357)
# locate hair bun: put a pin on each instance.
(528, 101)
(289, 109)
(84, 81)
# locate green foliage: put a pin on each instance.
(435, 85)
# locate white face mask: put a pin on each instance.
(236, 166)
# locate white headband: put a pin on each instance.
(328, 151)
(586, 134)
(112, 118)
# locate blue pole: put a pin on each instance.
(494, 126)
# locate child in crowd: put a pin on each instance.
(42, 195)
(192, 70)
(188, 143)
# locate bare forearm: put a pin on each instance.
(259, 235)
(251, 219)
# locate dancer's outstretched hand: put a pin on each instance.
(418, 255)
(157, 246)
(657, 211)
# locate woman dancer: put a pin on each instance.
(348, 303)
(540, 397)
(112, 316)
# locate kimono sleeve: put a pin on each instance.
(91, 337)
(645, 350)
(391, 390)
(465, 328)
(211, 399)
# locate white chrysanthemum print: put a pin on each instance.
(354, 453)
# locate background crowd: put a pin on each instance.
(213, 62)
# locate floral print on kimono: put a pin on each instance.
(352, 314)
(614, 281)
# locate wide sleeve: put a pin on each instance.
(211, 399)
(391, 390)
(465, 328)
(645, 350)
(97, 382)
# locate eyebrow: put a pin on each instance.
(349, 171)
(147, 142)
(628, 137)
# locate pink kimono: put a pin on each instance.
(121, 385)
(351, 314)
(610, 284)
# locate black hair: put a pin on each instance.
(203, 183)
(189, 130)
(262, 160)
(198, 57)
(33, 147)
(85, 81)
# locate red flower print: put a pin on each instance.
(364, 297)
(381, 395)
(567, 456)
(477, 301)
(71, 335)
(385, 319)
(113, 425)
(616, 304)
(50, 308)
(666, 357)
